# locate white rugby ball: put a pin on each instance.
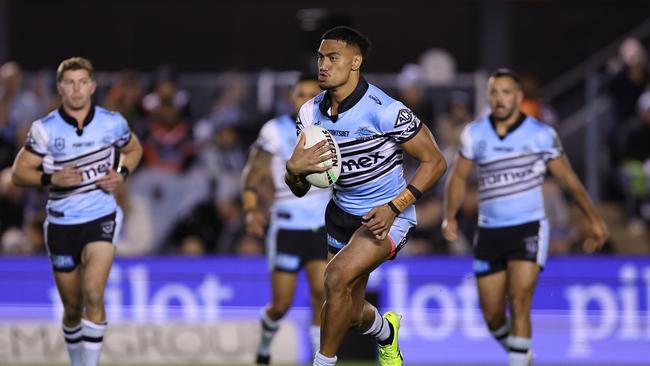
(313, 135)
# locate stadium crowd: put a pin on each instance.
(185, 197)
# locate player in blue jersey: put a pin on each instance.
(372, 210)
(73, 152)
(296, 234)
(511, 152)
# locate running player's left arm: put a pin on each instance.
(130, 155)
(562, 171)
(432, 166)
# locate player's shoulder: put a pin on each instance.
(537, 123)
(108, 114)
(277, 123)
(477, 126)
(377, 100)
(48, 118)
(306, 114)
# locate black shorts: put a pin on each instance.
(294, 248)
(494, 247)
(64, 243)
(342, 225)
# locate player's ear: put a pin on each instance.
(357, 60)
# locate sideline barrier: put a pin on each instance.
(587, 310)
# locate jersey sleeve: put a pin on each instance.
(399, 122)
(466, 148)
(122, 132)
(268, 139)
(37, 139)
(550, 144)
(305, 116)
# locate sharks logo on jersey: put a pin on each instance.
(510, 170)
(375, 126)
(92, 153)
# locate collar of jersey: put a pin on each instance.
(73, 122)
(512, 128)
(347, 103)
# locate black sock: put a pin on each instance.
(388, 340)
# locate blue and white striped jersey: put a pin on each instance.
(92, 151)
(510, 169)
(369, 128)
(278, 137)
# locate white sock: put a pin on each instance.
(518, 350)
(314, 337)
(501, 334)
(269, 328)
(72, 337)
(320, 360)
(93, 337)
(379, 328)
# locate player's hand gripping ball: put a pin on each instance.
(313, 135)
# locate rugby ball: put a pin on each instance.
(313, 135)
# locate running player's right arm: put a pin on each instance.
(454, 195)
(26, 172)
(256, 172)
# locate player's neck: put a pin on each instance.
(503, 126)
(78, 114)
(338, 95)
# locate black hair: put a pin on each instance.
(350, 36)
(506, 73)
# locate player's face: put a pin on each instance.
(336, 60)
(504, 97)
(76, 88)
(302, 92)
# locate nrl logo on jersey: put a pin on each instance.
(59, 143)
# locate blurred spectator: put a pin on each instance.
(532, 104)
(635, 168)
(231, 108)
(166, 92)
(20, 233)
(18, 107)
(449, 125)
(631, 80)
(11, 203)
(125, 96)
(626, 87)
(136, 237)
(168, 142)
(412, 92)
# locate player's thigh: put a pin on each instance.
(315, 270)
(96, 259)
(69, 285)
(522, 279)
(362, 254)
(283, 287)
(492, 292)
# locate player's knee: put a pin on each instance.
(279, 309)
(72, 312)
(317, 297)
(93, 298)
(335, 282)
(494, 320)
(520, 304)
